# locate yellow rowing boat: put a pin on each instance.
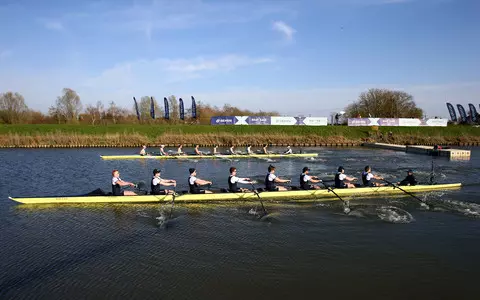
(220, 156)
(281, 196)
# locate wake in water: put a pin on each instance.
(392, 214)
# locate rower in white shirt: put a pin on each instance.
(162, 150)
(197, 151)
(289, 150)
(143, 152)
(157, 182)
(233, 180)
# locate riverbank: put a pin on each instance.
(52, 135)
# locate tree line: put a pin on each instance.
(68, 109)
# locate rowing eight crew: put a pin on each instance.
(197, 151)
(307, 182)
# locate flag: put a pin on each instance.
(194, 108)
(473, 113)
(152, 108)
(463, 114)
(167, 109)
(182, 110)
(136, 108)
(451, 110)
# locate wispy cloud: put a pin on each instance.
(286, 30)
(157, 15)
(53, 25)
(222, 63)
(162, 70)
(5, 54)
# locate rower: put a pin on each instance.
(289, 150)
(265, 149)
(215, 150)
(179, 150)
(162, 150)
(117, 184)
(198, 152)
(271, 179)
(233, 180)
(249, 149)
(305, 180)
(194, 183)
(367, 178)
(340, 178)
(232, 151)
(157, 182)
(409, 180)
(143, 152)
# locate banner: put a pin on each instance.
(463, 114)
(473, 113)
(152, 108)
(194, 108)
(396, 122)
(223, 120)
(167, 108)
(312, 121)
(268, 120)
(182, 110)
(136, 108)
(453, 114)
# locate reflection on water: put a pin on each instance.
(388, 247)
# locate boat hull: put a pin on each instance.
(110, 157)
(281, 196)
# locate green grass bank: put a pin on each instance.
(125, 135)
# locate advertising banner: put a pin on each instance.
(268, 120)
(258, 120)
(396, 122)
(283, 121)
(229, 120)
(312, 121)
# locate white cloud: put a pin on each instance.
(286, 30)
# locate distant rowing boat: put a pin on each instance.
(219, 156)
(282, 196)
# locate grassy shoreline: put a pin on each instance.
(53, 135)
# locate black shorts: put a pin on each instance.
(342, 186)
(122, 193)
(275, 189)
(162, 192)
(198, 192)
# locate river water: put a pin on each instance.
(386, 248)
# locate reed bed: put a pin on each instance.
(134, 135)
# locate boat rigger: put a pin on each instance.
(280, 196)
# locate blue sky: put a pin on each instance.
(296, 57)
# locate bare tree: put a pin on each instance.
(113, 112)
(174, 108)
(12, 108)
(68, 105)
(382, 103)
(144, 107)
(95, 112)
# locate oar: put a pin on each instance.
(173, 201)
(406, 192)
(261, 202)
(346, 205)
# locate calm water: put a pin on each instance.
(225, 252)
